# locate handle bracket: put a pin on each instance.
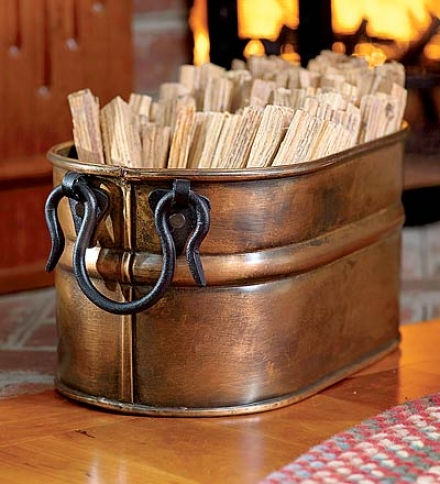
(181, 218)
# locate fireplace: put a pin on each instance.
(229, 29)
(225, 30)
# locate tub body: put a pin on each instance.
(302, 267)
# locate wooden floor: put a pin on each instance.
(45, 438)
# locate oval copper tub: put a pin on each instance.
(302, 267)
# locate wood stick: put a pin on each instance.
(269, 136)
(166, 110)
(240, 147)
(207, 133)
(293, 81)
(218, 94)
(84, 107)
(182, 137)
(401, 94)
(241, 88)
(298, 97)
(309, 78)
(306, 142)
(228, 132)
(320, 142)
(238, 64)
(282, 97)
(155, 145)
(121, 138)
(141, 105)
(189, 76)
(172, 90)
(261, 92)
(210, 71)
(352, 122)
(311, 105)
(339, 139)
(287, 152)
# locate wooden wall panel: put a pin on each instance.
(49, 48)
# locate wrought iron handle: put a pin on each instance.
(164, 203)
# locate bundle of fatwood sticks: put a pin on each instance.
(266, 112)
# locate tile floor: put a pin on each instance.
(27, 319)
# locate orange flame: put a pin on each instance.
(401, 20)
(198, 22)
(263, 19)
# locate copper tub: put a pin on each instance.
(294, 286)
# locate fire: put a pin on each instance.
(258, 19)
(253, 47)
(374, 55)
(198, 22)
(263, 19)
(402, 21)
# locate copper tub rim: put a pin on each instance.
(57, 155)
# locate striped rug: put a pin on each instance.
(399, 445)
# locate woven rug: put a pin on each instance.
(398, 446)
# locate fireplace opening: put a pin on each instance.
(404, 30)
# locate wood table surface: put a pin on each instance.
(45, 438)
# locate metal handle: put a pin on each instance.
(165, 203)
